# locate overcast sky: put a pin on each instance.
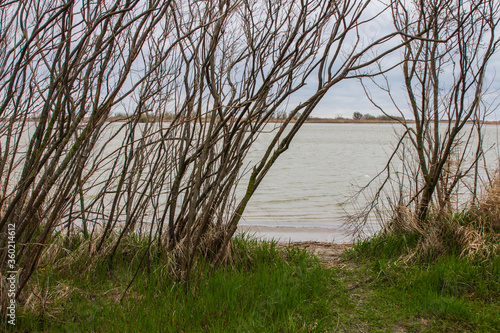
(348, 96)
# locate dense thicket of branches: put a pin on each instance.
(216, 70)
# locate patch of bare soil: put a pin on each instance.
(330, 254)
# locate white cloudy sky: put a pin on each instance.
(349, 97)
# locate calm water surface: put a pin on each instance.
(304, 194)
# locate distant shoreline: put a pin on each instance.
(343, 121)
(310, 121)
(377, 121)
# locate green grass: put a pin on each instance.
(267, 290)
(271, 288)
(449, 293)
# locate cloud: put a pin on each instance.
(348, 96)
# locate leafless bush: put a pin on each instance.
(197, 83)
(440, 153)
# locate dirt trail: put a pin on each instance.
(329, 253)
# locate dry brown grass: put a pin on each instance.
(75, 256)
(471, 233)
(446, 236)
(403, 221)
(488, 209)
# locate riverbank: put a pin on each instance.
(123, 119)
(276, 287)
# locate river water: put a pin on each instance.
(304, 195)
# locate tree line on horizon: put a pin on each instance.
(359, 116)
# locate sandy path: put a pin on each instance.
(328, 253)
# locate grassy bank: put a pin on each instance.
(450, 293)
(263, 288)
(267, 287)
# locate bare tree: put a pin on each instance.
(66, 65)
(219, 70)
(444, 72)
